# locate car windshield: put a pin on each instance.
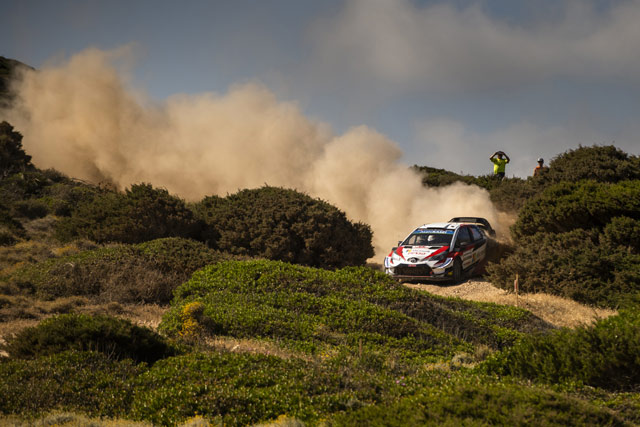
(429, 237)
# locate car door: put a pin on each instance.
(479, 244)
(465, 243)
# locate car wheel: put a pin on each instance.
(457, 271)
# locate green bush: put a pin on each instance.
(575, 265)
(572, 205)
(117, 338)
(604, 164)
(146, 273)
(30, 208)
(22, 186)
(142, 213)
(61, 198)
(511, 194)
(88, 382)
(13, 159)
(508, 194)
(351, 307)
(10, 228)
(434, 177)
(468, 399)
(237, 389)
(622, 232)
(604, 355)
(284, 225)
(597, 163)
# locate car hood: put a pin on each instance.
(419, 253)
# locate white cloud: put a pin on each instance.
(441, 47)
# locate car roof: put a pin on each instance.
(442, 225)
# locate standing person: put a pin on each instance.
(499, 164)
(540, 168)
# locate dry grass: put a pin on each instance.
(69, 419)
(33, 251)
(560, 312)
(252, 346)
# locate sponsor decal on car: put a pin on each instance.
(432, 231)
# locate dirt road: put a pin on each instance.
(558, 311)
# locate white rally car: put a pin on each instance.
(439, 251)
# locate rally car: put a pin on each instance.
(439, 251)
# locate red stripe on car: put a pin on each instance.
(439, 251)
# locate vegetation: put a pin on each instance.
(597, 163)
(508, 194)
(142, 213)
(349, 308)
(578, 239)
(471, 399)
(13, 159)
(116, 338)
(583, 205)
(604, 355)
(8, 70)
(145, 273)
(285, 225)
(71, 380)
(307, 334)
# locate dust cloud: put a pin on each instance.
(83, 118)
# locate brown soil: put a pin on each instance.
(558, 311)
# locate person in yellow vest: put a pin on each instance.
(499, 163)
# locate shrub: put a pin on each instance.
(141, 214)
(604, 355)
(30, 208)
(21, 186)
(236, 389)
(7, 237)
(89, 382)
(508, 194)
(622, 232)
(117, 338)
(598, 163)
(13, 159)
(572, 265)
(61, 198)
(10, 228)
(146, 273)
(571, 205)
(284, 225)
(468, 399)
(434, 177)
(351, 307)
(511, 194)
(603, 164)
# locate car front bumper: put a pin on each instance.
(425, 270)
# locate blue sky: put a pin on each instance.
(449, 81)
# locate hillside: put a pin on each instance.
(259, 307)
(8, 68)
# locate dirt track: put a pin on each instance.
(555, 310)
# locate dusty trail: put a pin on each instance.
(558, 311)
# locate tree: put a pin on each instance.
(13, 159)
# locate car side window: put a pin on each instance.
(477, 235)
(464, 237)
